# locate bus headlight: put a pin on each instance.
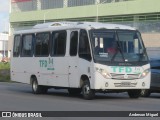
(103, 72)
(145, 73)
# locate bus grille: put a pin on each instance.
(125, 76)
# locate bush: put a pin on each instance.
(4, 72)
(5, 78)
(4, 66)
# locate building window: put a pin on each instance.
(73, 43)
(84, 48)
(16, 47)
(42, 44)
(23, 5)
(59, 43)
(27, 47)
(106, 1)
(72, 3)
(51, 4)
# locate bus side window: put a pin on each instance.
(42, 44)
(27, 47)
(84, 48)
(59, 43)
(16, 47)
(73, 43)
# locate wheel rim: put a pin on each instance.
(142, 92)
(86, 90)
(35, 85)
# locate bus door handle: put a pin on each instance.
(89, 70)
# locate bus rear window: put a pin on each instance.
(16, 48)
(27, 41)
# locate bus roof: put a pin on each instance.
(51, 26)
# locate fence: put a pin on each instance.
(30, 5)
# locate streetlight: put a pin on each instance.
(97, 3)
(4, 42)
(4, 49)
(44, 16)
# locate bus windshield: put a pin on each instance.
(117, 46)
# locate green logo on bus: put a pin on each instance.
(128, 70)
(121, 69)
(47, 64)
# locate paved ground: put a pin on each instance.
(19, 97)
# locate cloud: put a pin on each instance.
(4, 14)
(4, 5)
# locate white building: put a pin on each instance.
(4, 45)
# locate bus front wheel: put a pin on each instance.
(145, 93)
(87, 92)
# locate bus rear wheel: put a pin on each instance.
(87, 92)
(134, 93)
(37, 89)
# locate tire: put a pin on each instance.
(134, 93)
(87, 92)
(37, 89)
(145, 93)
(74, 91)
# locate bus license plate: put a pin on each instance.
(125, 83)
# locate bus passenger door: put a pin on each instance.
(73, 60)
(84, 54)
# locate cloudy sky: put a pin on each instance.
(4, 15)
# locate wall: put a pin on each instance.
(109, 9)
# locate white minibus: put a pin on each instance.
(83, 57)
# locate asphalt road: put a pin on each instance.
(19, 97)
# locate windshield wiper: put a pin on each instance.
(118, 48)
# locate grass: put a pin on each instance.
(4, 72)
